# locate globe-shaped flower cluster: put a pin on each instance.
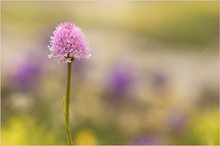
(68, 43)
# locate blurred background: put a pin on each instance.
(152, 78)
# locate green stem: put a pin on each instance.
(68, 133)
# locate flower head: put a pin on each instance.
(68, 43)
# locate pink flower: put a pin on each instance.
(68, 43)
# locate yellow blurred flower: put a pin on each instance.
(15, 133)
(206, 128)
(24, 130)
(85, 137)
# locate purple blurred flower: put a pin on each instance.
(120, 80)
(68, 43)
(177, 121)
(146, 140)
(79, 67)
(159, 80)
(27, 72)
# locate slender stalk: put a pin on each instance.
(68, 133)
